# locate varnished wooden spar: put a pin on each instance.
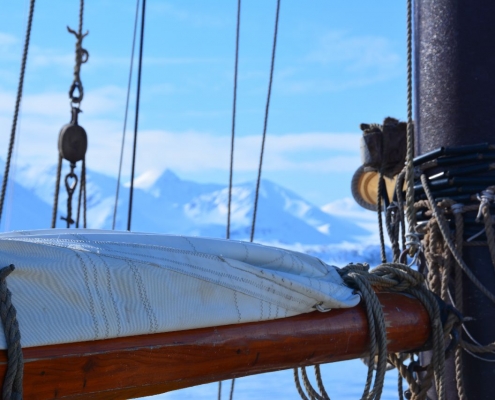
(144, 365)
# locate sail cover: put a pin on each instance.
(71, 286)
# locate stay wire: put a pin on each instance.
(17, 106)
(231, 171)
(136, 120)
(253, 226)
(129, 82)
(233, 117)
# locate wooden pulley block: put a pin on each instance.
(364, 187)
(383, 148)
(73, 140)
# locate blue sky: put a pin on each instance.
(339, 63)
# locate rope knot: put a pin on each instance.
(82, 56)
(457, 208)
(413, 243)
(486, 197)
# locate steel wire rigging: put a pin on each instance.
(265, 124)
(136, 120)
(231, 167)
(117, 190)
(234, 106)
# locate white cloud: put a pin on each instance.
(57, 104)
(197, 151)
(347, 207)
(43, 115)
(185, 15)
(358, 53)
(7, 40)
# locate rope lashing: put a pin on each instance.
(486, 198)
(82, 57)
(394, 277)
(12, 383)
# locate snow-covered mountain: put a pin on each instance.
(169, 204)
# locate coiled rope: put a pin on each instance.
(392, 277)
(12, 383)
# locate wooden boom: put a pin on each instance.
(144, 365)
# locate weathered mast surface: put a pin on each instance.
(455, 105)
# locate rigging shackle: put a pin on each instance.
(76, 85)
(71, 180)
(70, 184)
(73, 140)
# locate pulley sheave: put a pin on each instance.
(73, 140)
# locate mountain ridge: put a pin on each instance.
(174, 205)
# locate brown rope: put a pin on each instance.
(444, 229)
(397, 277)
(443, 254)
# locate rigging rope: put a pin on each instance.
(253, 225)
(393, 277)
(17, 106)
(442, 224)
(73, 141)
(136, 120)
(231, 169)
(234, 103)
(413, 240)
(81, 57)
(125, 117)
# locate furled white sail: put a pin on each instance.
(78, 285)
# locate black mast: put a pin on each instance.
(455, 105)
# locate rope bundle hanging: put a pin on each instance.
(73, 140)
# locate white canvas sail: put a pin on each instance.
(78, 285)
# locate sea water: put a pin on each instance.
(343, 381)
